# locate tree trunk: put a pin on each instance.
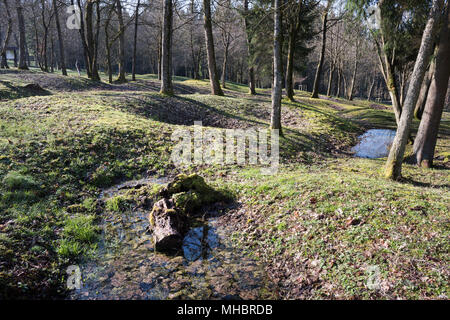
(420, 106)
(108, 44)
(62, 59)
(22, 39)
(46, 31)
(330, 80)
(90, 43)
(339, 82)
(387, 69)
(160, 39)
(4, 61)
(393, 168)
(121, 78)
(251, 71)
(290, 67)
(166, 49)
(83, 40)
(224, 65)
(425, 142)
(369, 94)
(275, 120)
(52, 54)
(213, 77)
(136, 20)
(315, 92)
(355, 69)
(168, 227)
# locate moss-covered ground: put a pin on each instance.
(319, 226)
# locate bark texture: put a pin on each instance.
(275, 120)
(251, 71)
(315, 92)
(211, 56)
(22, 39)
(62, 56)
(166, 49)
(167, 224)
(136, 23)
(393, 168)
(121, 78)
(4, 62)
(425, 142)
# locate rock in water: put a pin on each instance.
(168, 225)
(181, 200)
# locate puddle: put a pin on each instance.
(375, 143)
(127, 267)
(132, 184)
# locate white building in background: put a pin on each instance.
(11, 53)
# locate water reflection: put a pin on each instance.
(208, 266)
(375, 143)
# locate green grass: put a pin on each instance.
(327, 215)
(79, 236)
(305, 213)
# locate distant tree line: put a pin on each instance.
(326, 46)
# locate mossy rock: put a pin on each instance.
(188, 201)
(195, 187)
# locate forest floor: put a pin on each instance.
(318, 226)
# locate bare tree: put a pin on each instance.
(275, 120)
(212, 68)
(251, 70)
(62, 58)
(4, 62)
(166, 49)
(315, 92)
(22, 36)
(136, 21)
(121, 78)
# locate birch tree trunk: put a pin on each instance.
(393, 167)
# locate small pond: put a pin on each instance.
(374, 143)
(208, 266)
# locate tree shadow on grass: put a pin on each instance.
(16, 92)
(423, 184)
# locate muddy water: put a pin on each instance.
(374, 143)
(127, 267)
